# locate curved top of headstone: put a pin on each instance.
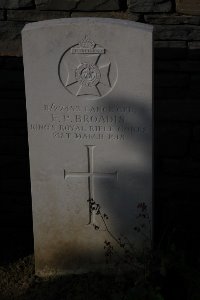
(65, 21)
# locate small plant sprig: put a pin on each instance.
(96, 208)
(128, 254)
(144, 220)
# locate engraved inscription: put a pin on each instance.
(91, 122)
(87, 46)
(87, 71)
(90, 174)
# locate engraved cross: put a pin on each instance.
(90, 174)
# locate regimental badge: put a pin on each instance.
(87, 70)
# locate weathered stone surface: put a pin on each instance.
(170, 44)
(35, 15)
(173, 19)
(194, 45)
(149, 5)
(98, 5)
(89, 108)
(133, 16)
(170, 50)
(57, 5)
(191, 7)
(13, 4)
(10, 38)
(177, 32)
(83, 5)
(117, 15)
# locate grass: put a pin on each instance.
(16, 279)
(18, 282)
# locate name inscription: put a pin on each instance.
(112, 123)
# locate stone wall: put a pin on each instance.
(176, 106)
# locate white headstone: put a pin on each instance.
(89, 109)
